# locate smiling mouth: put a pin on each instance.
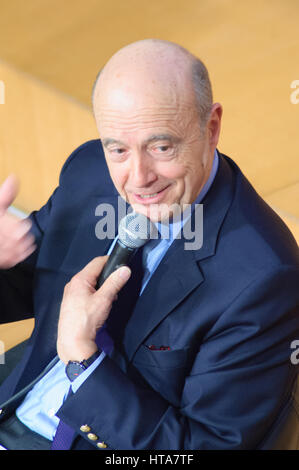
(153, 197)
(145, 196)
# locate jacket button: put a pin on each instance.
(85, 428)
(92, 437)
(101, 445)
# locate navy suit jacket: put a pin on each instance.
(228, 312)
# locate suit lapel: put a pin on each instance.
(179, 272)
(167, 287)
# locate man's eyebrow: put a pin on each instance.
(108, 141)
(152, 138)
(157, 137)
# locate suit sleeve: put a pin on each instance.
(240, 379)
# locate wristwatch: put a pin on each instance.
(74, 369)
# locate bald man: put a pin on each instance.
(202, 360)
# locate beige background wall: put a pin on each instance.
(51, 51)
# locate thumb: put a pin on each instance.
(114, 283)
(8, 192)
(92, 270)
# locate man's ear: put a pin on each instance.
(214, 124)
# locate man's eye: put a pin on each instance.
(162, 148)
(163, 151)
(117, 151)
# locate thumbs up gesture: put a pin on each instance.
(16, 241)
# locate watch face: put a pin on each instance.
(74, 369)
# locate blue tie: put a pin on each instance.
(64, 434)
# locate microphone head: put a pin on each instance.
(135, 230)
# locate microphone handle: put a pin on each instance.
(120, 255)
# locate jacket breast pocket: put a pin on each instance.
(166, 359)
(165, 371)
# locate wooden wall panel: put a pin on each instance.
(39, 128)
(14, 333)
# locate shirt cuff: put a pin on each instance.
(82, 377)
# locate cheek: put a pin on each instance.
(194, 177)
(171, 171)
(188, 177)
(119, 176)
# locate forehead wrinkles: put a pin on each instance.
(166, 115)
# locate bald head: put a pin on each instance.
(154, 66)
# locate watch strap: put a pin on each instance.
(91, 359)
(74, 368)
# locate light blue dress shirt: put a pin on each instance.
(38, 409)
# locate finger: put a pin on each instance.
(114, 284)
(92, 270)
(8, 192)
(25, 253)
(16, 257)
(22, 230)
(25, 243)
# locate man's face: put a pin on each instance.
(156, 152)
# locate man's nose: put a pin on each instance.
(142, 173)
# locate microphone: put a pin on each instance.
(134, 231)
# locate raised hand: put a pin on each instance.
(16, 241)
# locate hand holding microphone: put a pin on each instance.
(88, 297)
